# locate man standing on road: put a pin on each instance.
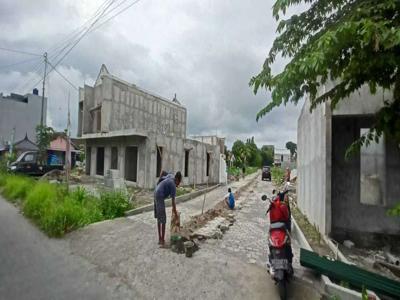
(166, 188)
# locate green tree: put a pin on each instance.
(44, 135)
(346, 42)
(292, 147)
(267, 155)
(238, 150)
(254, 158)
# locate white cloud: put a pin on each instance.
(205, 51)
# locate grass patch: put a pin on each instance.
(251, 170)
(234, 171)
(237, 172)
(3, 178)
(114, 204)
(16, 187)
(55, 210)
(311, 233)
(277, 174)
(180, 191)
(40, 202)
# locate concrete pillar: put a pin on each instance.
(93, 163)
(328, 169)
(121, 160)
(107, 159)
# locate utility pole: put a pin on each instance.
(44, 83)
(11, 149)
(12, 140)
(68, 152)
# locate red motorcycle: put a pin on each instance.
(280, 251)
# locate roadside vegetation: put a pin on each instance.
(57, 211)
(237, 172)
(277, 174)
(180, 191)
(247, 155)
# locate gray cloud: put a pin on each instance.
(205, 51)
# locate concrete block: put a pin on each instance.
(348, 244)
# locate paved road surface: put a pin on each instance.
(231, 268)
(33, 266)
(120, 259)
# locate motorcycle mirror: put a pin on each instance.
(264, 197)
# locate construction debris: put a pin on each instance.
(348, 244)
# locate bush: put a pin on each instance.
(114, 204)
(57, 211)
(16, 187)
(79, 194)
(69, 215)
(57, 214)
(40, 201)
(234, 171)
(182, 191)
(251, 170)
(277, 174)
(90, 204)
(3, 178)
(394, 211)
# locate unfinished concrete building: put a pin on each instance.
(139, 133)
(348, 199)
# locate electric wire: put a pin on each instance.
(19, 51)
(72, 42)
(19, 63)
(59, 73)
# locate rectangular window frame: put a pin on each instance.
(114, 158)
(187, 157)
(159, 160)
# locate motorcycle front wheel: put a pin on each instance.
(282, 289)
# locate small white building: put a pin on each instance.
(282, 158)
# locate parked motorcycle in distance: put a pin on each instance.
(280, 254)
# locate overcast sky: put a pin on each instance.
(204, 51)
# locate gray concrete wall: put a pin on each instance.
(173, 158)
(329, 188)
(24, 116)
(312, 181)
(125, 106)
(352, 218)
(362, 102)
(86, 97)
(121, 143)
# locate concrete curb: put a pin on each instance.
(168, 202)
(342, 258)
(335, 249)
(187, 197)
(328, 286)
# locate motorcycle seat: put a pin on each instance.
(277, 225)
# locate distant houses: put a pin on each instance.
(282, 158)
(19, 116)
(56, 151)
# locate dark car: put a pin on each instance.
(28, 164)
(266, 173)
